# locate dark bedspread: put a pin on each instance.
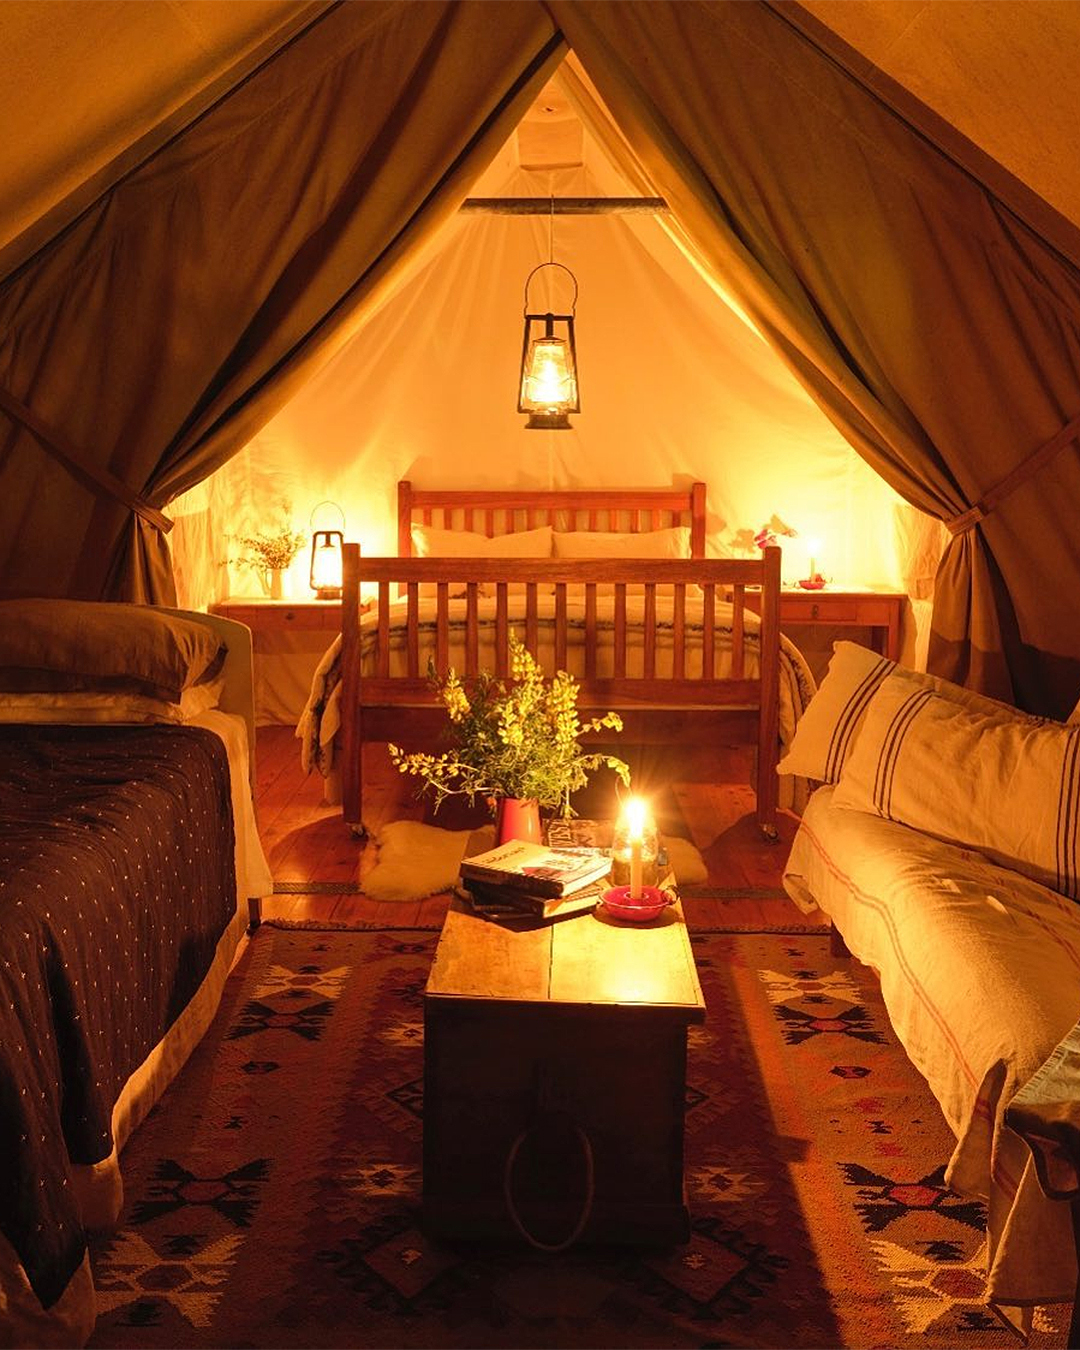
(117, 879)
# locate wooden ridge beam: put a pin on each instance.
(563, 206)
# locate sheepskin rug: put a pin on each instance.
(417, 860)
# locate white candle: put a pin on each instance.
(813, 546)
(635, 819)
(635, 869)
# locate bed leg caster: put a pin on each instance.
(770, 834)
(357, 830)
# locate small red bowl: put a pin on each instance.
(650, 904)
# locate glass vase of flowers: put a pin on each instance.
(270, 553)
(518, 741)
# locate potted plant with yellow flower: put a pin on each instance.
(516, 744)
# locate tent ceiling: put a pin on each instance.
(90, 85)
(1001, 71)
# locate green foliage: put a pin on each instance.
(272, 549)
(517, 740)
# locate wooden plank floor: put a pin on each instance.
(703, 796)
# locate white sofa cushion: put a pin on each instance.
(831, 724)
(997, 781)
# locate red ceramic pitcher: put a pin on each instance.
(517, 818)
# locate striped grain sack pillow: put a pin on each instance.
(831, 724)
(1003, 783)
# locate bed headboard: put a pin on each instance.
(506, 511)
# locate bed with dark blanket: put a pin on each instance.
(117, 880)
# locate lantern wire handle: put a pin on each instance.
(563, 268)
(327, 502)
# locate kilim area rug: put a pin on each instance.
(273, 1196)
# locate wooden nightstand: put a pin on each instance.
(282, 616)
(879, 611)
(288, 638)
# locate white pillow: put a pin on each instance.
(82, 708)
(670, 543)
(1006, 785)
(828, 729)
(429, 541)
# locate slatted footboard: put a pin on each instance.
(669, 644)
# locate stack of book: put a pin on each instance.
(523, 880)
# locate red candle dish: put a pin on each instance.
(650, 904)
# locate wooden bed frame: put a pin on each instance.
(681, 708)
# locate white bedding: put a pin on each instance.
(976, 1029)
(321, 719)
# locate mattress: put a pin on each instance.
(976, 1028)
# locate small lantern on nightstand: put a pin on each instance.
(325, 576)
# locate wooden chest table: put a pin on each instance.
(554, 1079)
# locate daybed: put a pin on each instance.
(128, 858)
(611, 585)
(943, 847)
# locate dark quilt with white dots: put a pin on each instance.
(117, 879)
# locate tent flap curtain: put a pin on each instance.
(170, 322)
(937, 332)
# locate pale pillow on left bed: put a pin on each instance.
(81, 660)
(79, 709)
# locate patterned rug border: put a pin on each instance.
(359, 926)
(691, 891)
(316, 888)
(334, 926)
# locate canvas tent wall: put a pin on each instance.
(936, 327)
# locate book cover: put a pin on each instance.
(509, 902)
(537, 868)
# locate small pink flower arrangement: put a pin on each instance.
(769, 533)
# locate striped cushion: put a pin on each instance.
(832, 721)
(1005, 785)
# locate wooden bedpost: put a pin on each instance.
(404, 519)
(349, 740)
(697, 520)
(769, 670)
